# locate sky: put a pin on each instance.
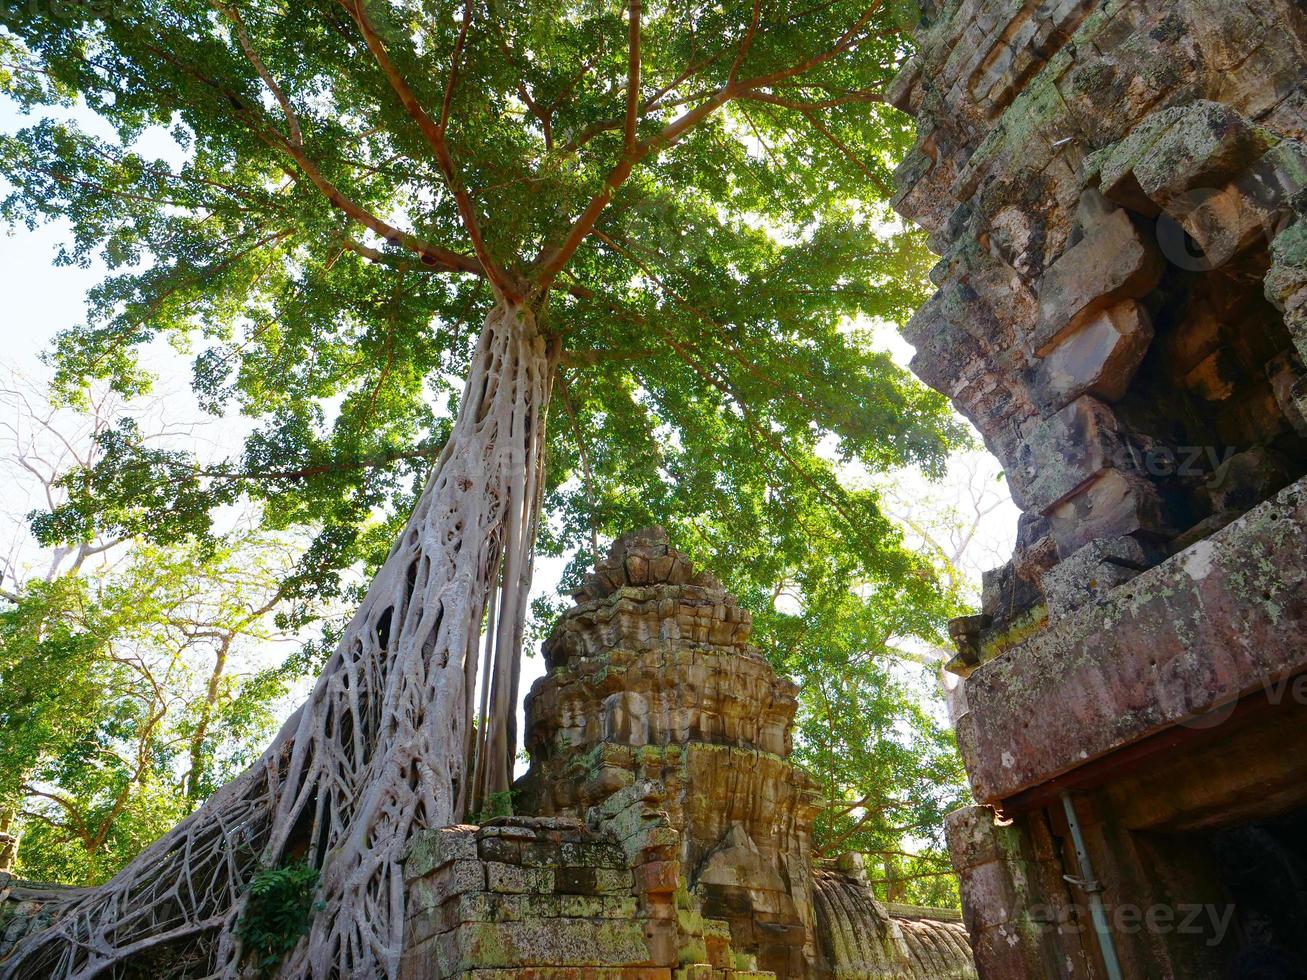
(40, 298)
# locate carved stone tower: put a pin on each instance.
(670, 835)
(652, 680)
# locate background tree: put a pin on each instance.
(134, 678)
(667, 213)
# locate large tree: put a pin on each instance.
(667, 214)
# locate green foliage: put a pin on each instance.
(869, 730)
(497, 805)
(121, 702)
(49, 674)
(925, 878)
(707, 348)
(279, 908)
(713, 375)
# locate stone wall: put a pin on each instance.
(1116, 191)
(1114, 188)
(670, 834)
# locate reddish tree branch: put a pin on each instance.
(434, 133)
(632, 77)
(550, 264)
(747, 42)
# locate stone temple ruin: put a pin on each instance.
(1116, 188)
(661, 831)
(669, 834)
(1117, 191)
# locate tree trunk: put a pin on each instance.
(8, 840)
(193, 783)
(381, 747)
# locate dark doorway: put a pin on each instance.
(1263, 866)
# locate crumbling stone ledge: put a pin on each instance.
(1177, 644)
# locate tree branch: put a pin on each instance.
(846, 42)
(747, 42)
(552, 263)
(632, 77)
(429, 253)
(434, 133)
(848, 154)
(292, 121)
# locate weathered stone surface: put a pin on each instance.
(1140, 103)
(1113, 504)
(1205, 145)
(1099, 358)
(1092, 571)
(652, 683)
(1249, 211)
(1066, 451)
(867, 939)
(1179, 640)
(1108, 157)
(1115, 260)
(27, 907)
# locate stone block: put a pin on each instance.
(597, 906)
(1246, 479)
(1003, 953)
(658, 876)
(965, 631)
(552, 942)
(1286, 375)
(1226, 32)
(1212, 622)
(1249, 211)
(566, 973)
(1098, 358)
(433, 849)
(1064, 452)
(1207, 144)
(1114, 164)
(595, 854)
(1115, 503)
(1036, 551)
(575, 881)
(1286, 280)
(502, 849)
(1112, 262)
(512, 878)
(970, 833)
(1093, 571)
(987, 894)
(455, 878)
(1216, 377)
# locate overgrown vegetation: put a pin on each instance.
(277, 914)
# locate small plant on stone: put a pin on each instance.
(277, 913)
(497, 805)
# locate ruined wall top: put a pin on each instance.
(1115, 189)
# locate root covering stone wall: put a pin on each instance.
(669, 834)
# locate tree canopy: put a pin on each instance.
(305, 250)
